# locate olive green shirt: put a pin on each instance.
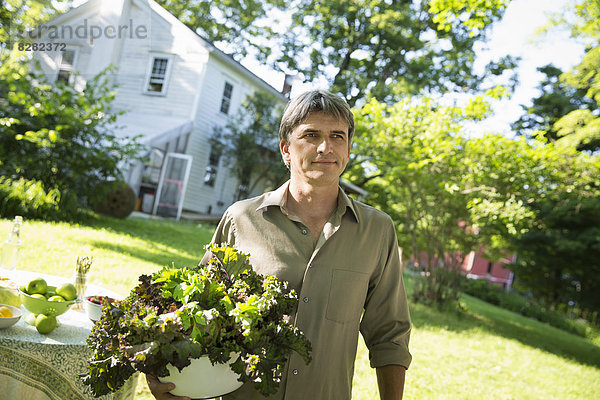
(355, 266)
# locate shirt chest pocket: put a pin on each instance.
(346, 295)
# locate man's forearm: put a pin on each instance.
(390, 380)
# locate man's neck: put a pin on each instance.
(311, 202)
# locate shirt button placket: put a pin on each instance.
(305, 299)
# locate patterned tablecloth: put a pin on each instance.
(46, 367)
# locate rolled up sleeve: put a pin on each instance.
(386, 325)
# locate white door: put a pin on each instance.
(171, 185)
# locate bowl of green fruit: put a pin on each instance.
(40, 298)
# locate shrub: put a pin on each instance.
(31, 200)
(482, 290)
(515, 302)
(555, 319)
(115, 199)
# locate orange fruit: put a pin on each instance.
(5, 312)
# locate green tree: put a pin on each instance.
(249, 143)
(559, 256)
(450, 195)
(381, 48)
(580, 128)
(414, 155)
(558, 253)
(387, 49)
(54, 134)
(236, 25)
(540, 201)
(557, 99)
(19, 16)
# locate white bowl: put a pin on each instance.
(10, 321)
(202, 380)
(93, 310)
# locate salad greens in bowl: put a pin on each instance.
(223, 310)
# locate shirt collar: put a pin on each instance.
(278, 198)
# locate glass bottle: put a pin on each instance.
(12, 246)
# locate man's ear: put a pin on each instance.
(284, 147)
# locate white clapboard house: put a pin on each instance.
(175, 87)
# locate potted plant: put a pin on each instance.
(223, 310)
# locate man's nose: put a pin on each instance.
(324, 146)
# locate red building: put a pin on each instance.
(476, 266)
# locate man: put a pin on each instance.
(341, 257)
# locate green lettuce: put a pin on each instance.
(179, 314)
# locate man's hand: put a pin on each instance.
(390, 380)
(161, 390)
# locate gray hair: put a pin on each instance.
(298, 110)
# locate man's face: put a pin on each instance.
(318, 149)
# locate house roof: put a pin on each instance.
(352, 188)
(155, 129)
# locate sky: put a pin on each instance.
(514, 35)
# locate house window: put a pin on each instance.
(489, 268)
(210, 174)
(158, 74)
(66, 67)
(226, 100)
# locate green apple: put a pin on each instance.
(37, 286)
(38, 296)
(68, 291)
(50, 291)
(45, 324)
(56, 298)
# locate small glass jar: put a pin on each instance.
(80, 283)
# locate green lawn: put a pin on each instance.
(122, 249)
(486, 353)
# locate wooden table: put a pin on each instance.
(46, 367)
